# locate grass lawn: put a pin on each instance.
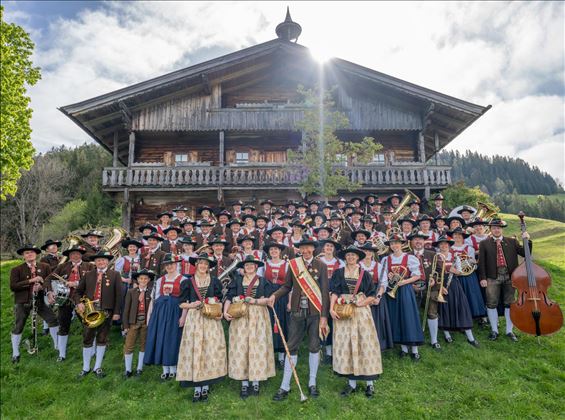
(533, 198)
(499, 380)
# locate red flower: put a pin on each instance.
(207, 300)
(241, 297)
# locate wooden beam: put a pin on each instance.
(115, 154)
(206, 84)
(436, 146)
(131, 153)
(445, 132)
(222, 135)
(126, 114)
(126, 211)
(421, 147)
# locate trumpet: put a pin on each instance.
(394, 282)
(440, 297)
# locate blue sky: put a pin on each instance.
(509, 55)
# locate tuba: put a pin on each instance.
(73, 240)
(114, 242)
(402, 210)
(91, 317)
(485, 212)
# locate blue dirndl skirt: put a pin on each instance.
(455, 314)
(404, 317)
(382, 324)
(163, 333)
(472, 290)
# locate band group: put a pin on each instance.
(354, 278)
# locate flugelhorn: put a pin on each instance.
(394, 282)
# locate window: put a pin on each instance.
(379, 159)
(341, 159)
(241, 157)
(181, 158)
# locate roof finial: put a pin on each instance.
(288, 30)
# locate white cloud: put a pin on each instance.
(506, 54)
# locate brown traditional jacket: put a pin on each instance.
(511, 248)
(131, 306)
(318, 271)
(110, 293)
(152, 262)
(52, 260)
(19, 280)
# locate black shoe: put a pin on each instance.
(45, 332)
(280, 395)
(138, 372)
(171, 376)
(244, 393)
(512, 336)
(196, 397)
(313, 391)
(448, 339)
(204, 396)
(493, 336)
(474, 343)
(60, 359)
(83, 373)
(328, 360)
(370, 391)
(436, 346)
(255, 390)
(15, 359)
(347, 391)
(99, 373)
(402, 354)
(163, 377)
(128, 374)
(416, 357)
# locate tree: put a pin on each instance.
(16, 72)
(458, 194)
(321, 153)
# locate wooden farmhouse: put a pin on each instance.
(218, 131)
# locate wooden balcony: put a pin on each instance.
(265, 176)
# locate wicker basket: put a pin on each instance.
(212, 310)
(344, 310)
(238, 310)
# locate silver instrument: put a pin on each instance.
(61, 290)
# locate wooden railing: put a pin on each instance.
(280, 176)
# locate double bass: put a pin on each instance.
(533, 312)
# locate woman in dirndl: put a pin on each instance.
(357, 353)
(251, 356)
(330, 248)
(454, 314)
(275, 273)
(470, 283)
(403, 269)
(188, 244)
(163, 327)
(202, 354)
(378, 307)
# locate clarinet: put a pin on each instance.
(31, 347)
